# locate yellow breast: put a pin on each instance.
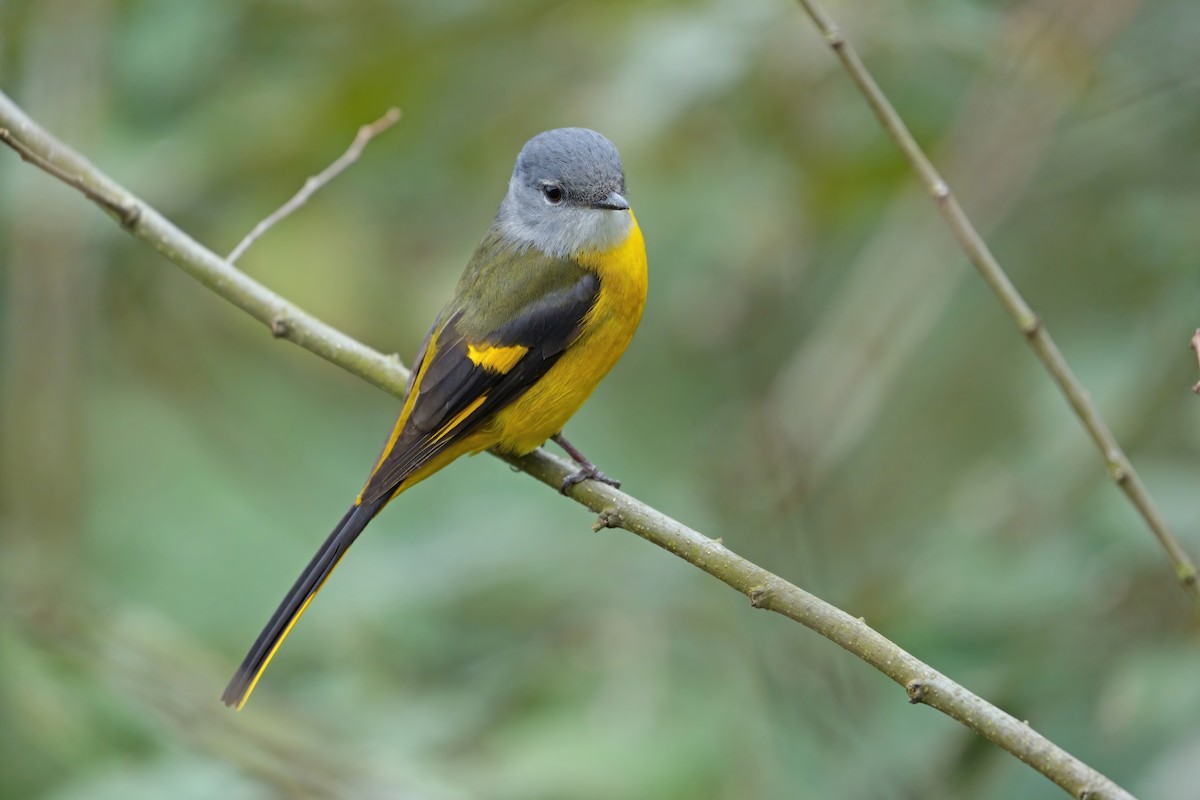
(607, 329)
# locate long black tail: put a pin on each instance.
(298, 597)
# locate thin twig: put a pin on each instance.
(921, 682)
(1030, 325)
(364, 136)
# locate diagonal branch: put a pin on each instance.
(311, 186)
(616, 509)
(1030, 325)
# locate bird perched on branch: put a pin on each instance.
(546, 306)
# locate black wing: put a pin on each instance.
(468, 378)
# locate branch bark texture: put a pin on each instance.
(1031, 326)
(615, 508)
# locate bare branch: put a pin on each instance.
(1030, 325)
(921, 682)
(284, 319)
(364, 136)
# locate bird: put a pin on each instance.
(546, 306)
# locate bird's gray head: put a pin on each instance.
(566, 195)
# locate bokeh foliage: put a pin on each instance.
(819, 379)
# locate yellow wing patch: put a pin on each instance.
(449, 427)
(496, 359)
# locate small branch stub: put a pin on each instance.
(1188, 577)
(280, 327)
(1030, 324)
(760, 596)
(917, 690)
(608, 518)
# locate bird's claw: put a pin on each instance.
(584, 474)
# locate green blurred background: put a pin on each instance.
(820, 379)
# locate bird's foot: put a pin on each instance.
(588, 473)
(587, 470)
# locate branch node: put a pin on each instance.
(280, 327)
(917, 690)
(834, 37)
(608, 518)
(128, 214)
(940, 191)
(1118, 467)
(1030, 324)
(1187, 575)
(760, 596)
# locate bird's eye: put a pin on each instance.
(553, 192)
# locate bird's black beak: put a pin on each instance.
(614, 201)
